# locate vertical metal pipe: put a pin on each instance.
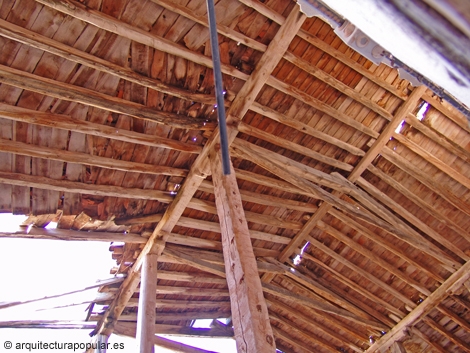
(147, 303)
(219, 87)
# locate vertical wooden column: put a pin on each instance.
(253, 332)
(147, 303)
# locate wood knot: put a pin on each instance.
(269, 339)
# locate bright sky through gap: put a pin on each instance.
(37, 268)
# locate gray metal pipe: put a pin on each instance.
(219, 87)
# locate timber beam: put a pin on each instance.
(73, 235)
(31, 150)
(65, 122)
(66, 91)
(45, 183)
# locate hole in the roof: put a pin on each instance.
(400, 127)
(304, 247)
(202, 323)
(297, 260)
(51, 225)
(421, 114)
(224, 321)
(11, 222)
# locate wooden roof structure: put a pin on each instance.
(351, 185)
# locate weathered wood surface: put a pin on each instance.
(72, 235)
(399, 331)
(91, 189)
(107, 116)
(82, 95)
(89, 128)
(252, 328)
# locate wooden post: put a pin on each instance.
(147, 302)
(252, 328)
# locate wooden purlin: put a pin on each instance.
(430, 209)
(274, 303)
(421, 336)
(347, 296)
(79, 158)
(199, 170)
(89, 97)
(82, 188)
(35, 40)
(446, 333)
(386, 220)
(384, 243)
(438, 163)
(313, 40)
(306, 335)
(412, 219)
(72, 235)
(371, 273)
(322, 292)
(426, 179)
(65, 122)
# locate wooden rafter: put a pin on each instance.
(320, 303)
(313, 40)
(85, 127)
(66, 91)
(398, 347)
(83, 158)
(82, 188)
(23, 35)
(113, 25)
(125, 328)
(72, 235)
